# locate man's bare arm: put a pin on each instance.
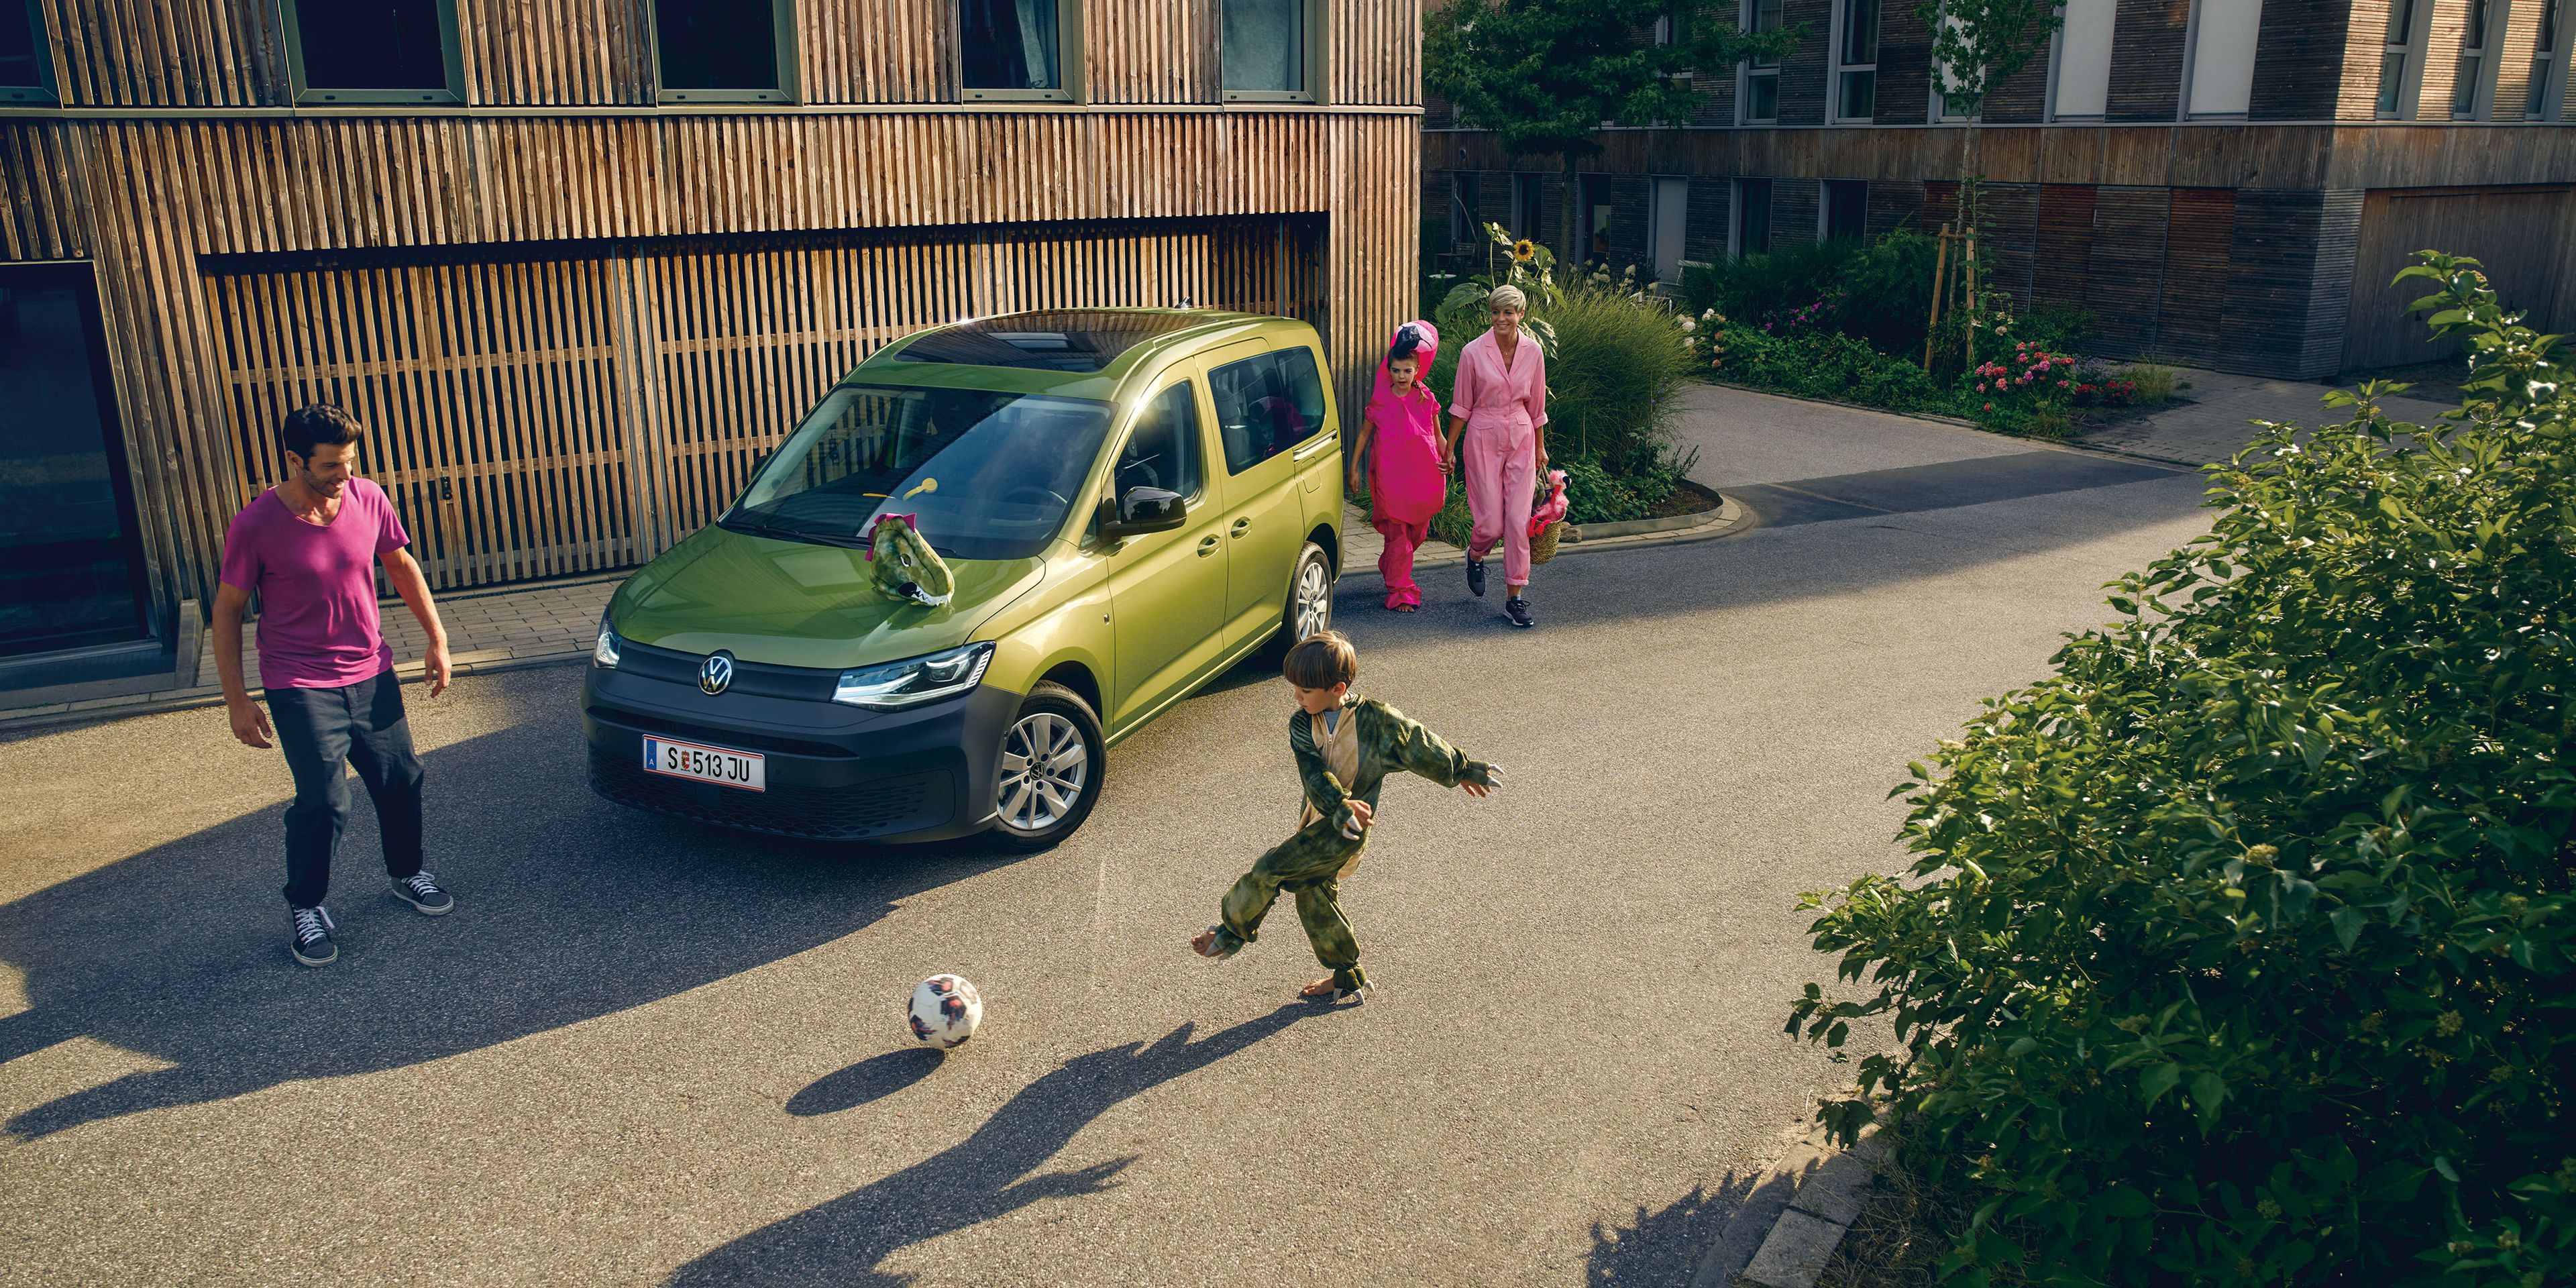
(250, 724)
(413, 585)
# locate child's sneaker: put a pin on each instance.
(1476, 578)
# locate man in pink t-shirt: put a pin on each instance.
(308, 548)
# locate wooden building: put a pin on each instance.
(579, 263)
(2223, 183)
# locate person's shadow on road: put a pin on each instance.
(567, 908)
(987, 1175)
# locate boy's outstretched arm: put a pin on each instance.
(1418, 750)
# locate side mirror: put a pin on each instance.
(1143, 510)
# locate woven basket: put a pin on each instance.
(1543, 546)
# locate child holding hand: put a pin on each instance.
(1408, 478)
(1346, 746)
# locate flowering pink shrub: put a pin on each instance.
(2039, 380)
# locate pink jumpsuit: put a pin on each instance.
(1406, 483)
(1498, 454)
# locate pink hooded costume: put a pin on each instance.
(1406, 483)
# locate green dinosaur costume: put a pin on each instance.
(904, 565)
(1311, 863)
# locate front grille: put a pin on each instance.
(882, 808)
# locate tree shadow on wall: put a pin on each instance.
(989, 1174)
(567, 908)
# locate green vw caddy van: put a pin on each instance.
(1129, 500)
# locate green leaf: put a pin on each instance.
(2157, 1081)
(2348, 921)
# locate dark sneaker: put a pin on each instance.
(1476, 578)
(1516, 610)
(422, 892)
(310, 939)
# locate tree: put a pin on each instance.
(1976, 45)
(1543, 75)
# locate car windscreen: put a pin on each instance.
(988, 475)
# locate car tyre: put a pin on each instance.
(1309, 608)
(1053, 762)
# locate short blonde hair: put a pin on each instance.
(1507, 297)
(1321, 661)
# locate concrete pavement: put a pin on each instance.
(643, 1052)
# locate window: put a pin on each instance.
(1525, 206)
(1762, 78)
(2084, 60)
(1267, 404)
(1944, 77)
(1015, 48)
(1752, 216)
(724, 51)
(1268, 46)
(1846, 210)
(1672, 225)
(26, 58)
(1856, 58)
(1163, 450)
(1593, 204)
(2544, 62)
(2395, 53)
(2473, 48)
(374, 51)
(2222, 57)
(71, 565)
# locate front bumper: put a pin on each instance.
(833, 771)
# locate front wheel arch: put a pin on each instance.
(1025, 818)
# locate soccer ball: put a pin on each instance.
(945, 1011)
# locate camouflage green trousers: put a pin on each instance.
(1308, 865)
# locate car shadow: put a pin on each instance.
(567, 908)
(991, 1173)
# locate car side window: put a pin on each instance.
(1163, 449)
(1266, 404)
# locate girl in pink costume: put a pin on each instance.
(1499, 407)
(1409, 472)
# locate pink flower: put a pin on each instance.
(1990, 406)
(1981, 386)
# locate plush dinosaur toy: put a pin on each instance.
(905, 565)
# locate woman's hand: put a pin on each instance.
(1542, 462)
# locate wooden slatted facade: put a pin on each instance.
(575, 319)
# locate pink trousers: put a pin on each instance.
(1500, 465)
(1396, 563)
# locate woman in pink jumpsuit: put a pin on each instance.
(1409, 471)
(1499, 409)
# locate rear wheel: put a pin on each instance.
(1309, 610)
(1052, 762)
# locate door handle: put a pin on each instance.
(1207, 545)
(1242, 526)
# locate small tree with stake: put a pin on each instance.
(1545, 74)
(1976, 45)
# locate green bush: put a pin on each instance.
(1753, 285)
(2237, 951)
(1819, 363)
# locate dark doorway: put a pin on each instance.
(71, 569)
(1594, 225)
(1752, 216)
(1846, 209)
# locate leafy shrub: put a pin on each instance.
(2238, 949)
(1751, 285)
(1828, 364)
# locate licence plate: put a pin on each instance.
(705, 764)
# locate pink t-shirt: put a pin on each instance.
(316, 586)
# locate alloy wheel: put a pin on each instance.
(1045, 767)
(1310, 604)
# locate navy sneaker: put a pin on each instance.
(1516, 611)
(310, 938)
(421, 891)
(1476, 578)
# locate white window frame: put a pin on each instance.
(1837, 68)
(2482, 80)
(1746, 73)
(1310, 69)
(783, 29)
(1070, 49)
(2410, 74)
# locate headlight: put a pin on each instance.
(604, 653)
(894, 685)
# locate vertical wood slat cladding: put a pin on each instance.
(877, 51)
(1894, 205)
(2357, 93)
(44, 216)
(2519, 29)
(2146, 60)
(550, 53)
(2524, 236)
(167, 53)
(2201, 235)
(2442, 57)
(2299, 59)
(1151, 51)
(2127, 269)
(1391, 30)
(2007, 237)
(1904, 66)
(2062, 270)
(2021, 98)
(1711, 215)
(2266, 310)
(1793, 210)
(1803, 92)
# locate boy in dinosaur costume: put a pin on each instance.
(904, 565)
(1345, 745)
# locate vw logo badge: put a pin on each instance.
(716, 674)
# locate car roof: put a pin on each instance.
(1074, 353)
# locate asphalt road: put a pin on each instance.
(643, 1052)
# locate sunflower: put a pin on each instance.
(1524, 250)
